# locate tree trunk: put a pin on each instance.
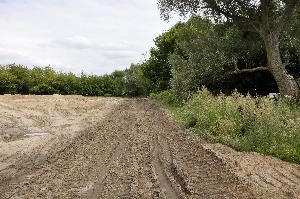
(286, 83)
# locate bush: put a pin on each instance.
(245, 123)
(43, 89)
(7, 82)
(165, 97)
(135, 83)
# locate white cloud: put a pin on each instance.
(95, 36)
(78, 42)
(119, 54)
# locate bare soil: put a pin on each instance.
(77, 147)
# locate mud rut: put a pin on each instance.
(135, 152)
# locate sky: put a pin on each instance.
(93, 36)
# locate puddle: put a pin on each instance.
(36, 134)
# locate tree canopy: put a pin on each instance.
(267, 18)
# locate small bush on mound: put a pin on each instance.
(246, 123)
(166, 97)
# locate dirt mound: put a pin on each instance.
(269, 177)
(119, 148)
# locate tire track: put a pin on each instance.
(170, 165)
(164, 181)
(101, 176)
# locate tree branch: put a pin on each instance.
(212, 4)
(244, 22)
(251, 70)
(287, 14)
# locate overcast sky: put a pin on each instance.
(94, 36)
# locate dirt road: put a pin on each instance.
(76, 147)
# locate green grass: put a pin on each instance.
(242, 122)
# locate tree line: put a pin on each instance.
(18, 79)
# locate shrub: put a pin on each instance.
(7, 82)
(165, 97)
(42, 89)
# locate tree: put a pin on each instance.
(117, 78)
(157, 68)
(268, 18)
(211, 54)
(66, 83)
(135, 84)
(22, 78)
(7, 81)
(42, 81)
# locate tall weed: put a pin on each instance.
(245, 122)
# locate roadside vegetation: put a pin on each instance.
(227, 62)
(212, 71)
(241, 121)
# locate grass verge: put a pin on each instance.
(242, 122)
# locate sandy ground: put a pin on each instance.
(76, 147)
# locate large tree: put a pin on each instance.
(268, 18)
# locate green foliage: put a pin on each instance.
(66, 84)
(250, 15)
(90, 85)
(268, 19)
(135, 83)
(7, 82)
(157, 68)
(211, 52)
(118, 83)
(17, 79)
(166, 97)
(246, 123)
(42, 89)
(22, 78)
